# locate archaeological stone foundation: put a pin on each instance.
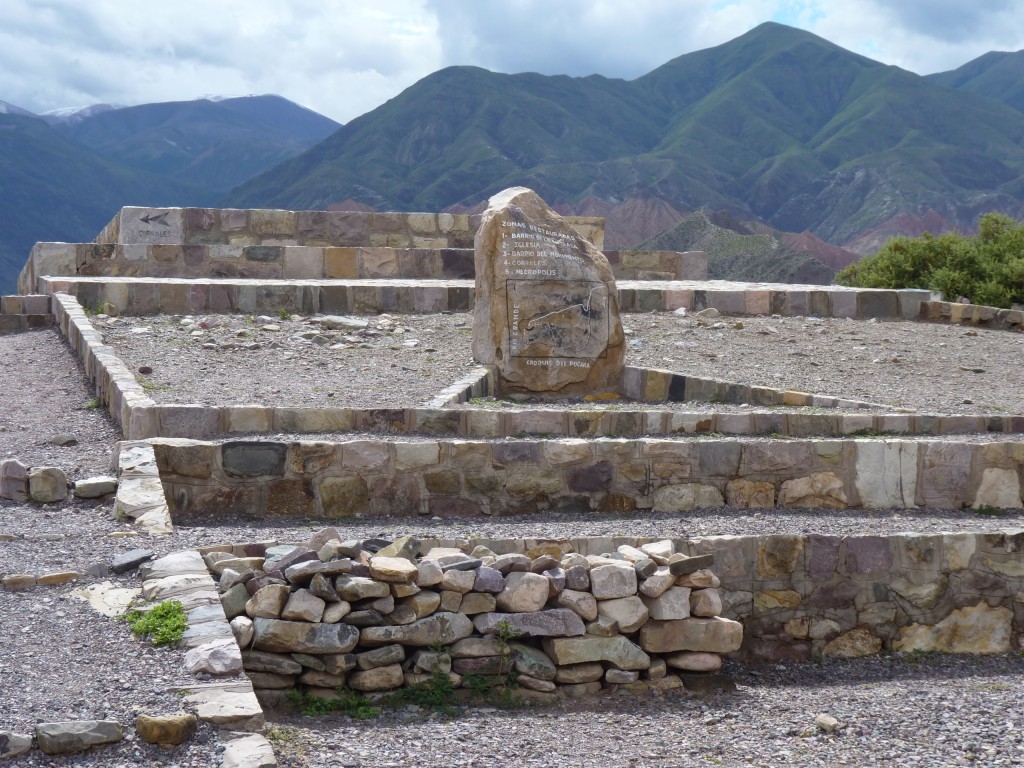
(562, 617)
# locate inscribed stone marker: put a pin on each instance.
(546, 312)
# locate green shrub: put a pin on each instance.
(164, 624)
(987, 268)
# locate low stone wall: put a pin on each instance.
(467, 478)
(148, 296)
(20, 313)
(141, 418)
(307, 262)
(796, 596)
(973, 314)
(213, 226)
(378, 615)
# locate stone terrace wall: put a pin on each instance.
(229, 226)
(147, 296)
(465, 478)
(302, 262)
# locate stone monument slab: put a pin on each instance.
(546, 312)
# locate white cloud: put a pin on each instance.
(344, 59)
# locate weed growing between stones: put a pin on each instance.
(349, 703)
(498, 690)
(93, 404)
(437, 694)
(284, 314)
(987, 510)
(163, 624)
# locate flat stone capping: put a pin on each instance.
(148, 296)
(141, 418)
(468, 478)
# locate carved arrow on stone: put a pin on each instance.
(150, 218)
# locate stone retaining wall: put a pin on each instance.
(595, 612)
(149, 296)
(468, 478)
(375, 616)
(303, 262)
(141, 418)
(213, 226)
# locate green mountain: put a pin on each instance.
(777, 125)
(210, 144)
(54, 189)
(997, 74)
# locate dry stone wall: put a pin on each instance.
(378, 615)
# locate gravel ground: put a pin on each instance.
(59, 659)
(928, 367)
(46, 394)
(937, 711)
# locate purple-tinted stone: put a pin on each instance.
(824, 555)
(488, 580)
(556, 622)
(556, 580)
(257, 583)
(321, 587)
(577, 578)
(867, 554)
(509, 453)
(591, 479)
(296, 556)
(834, 596)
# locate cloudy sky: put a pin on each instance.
(344, 59)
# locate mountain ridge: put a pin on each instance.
(779, 125)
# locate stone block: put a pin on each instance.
(713, 635)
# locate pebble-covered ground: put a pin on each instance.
(402, 361)
(60, 659)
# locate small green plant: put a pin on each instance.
(93, 404)
(164, 624)
(435, 694)
(149, 385)
(284, 314)
(349, 703)
(987, 510)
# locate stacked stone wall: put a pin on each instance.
(377, 615)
